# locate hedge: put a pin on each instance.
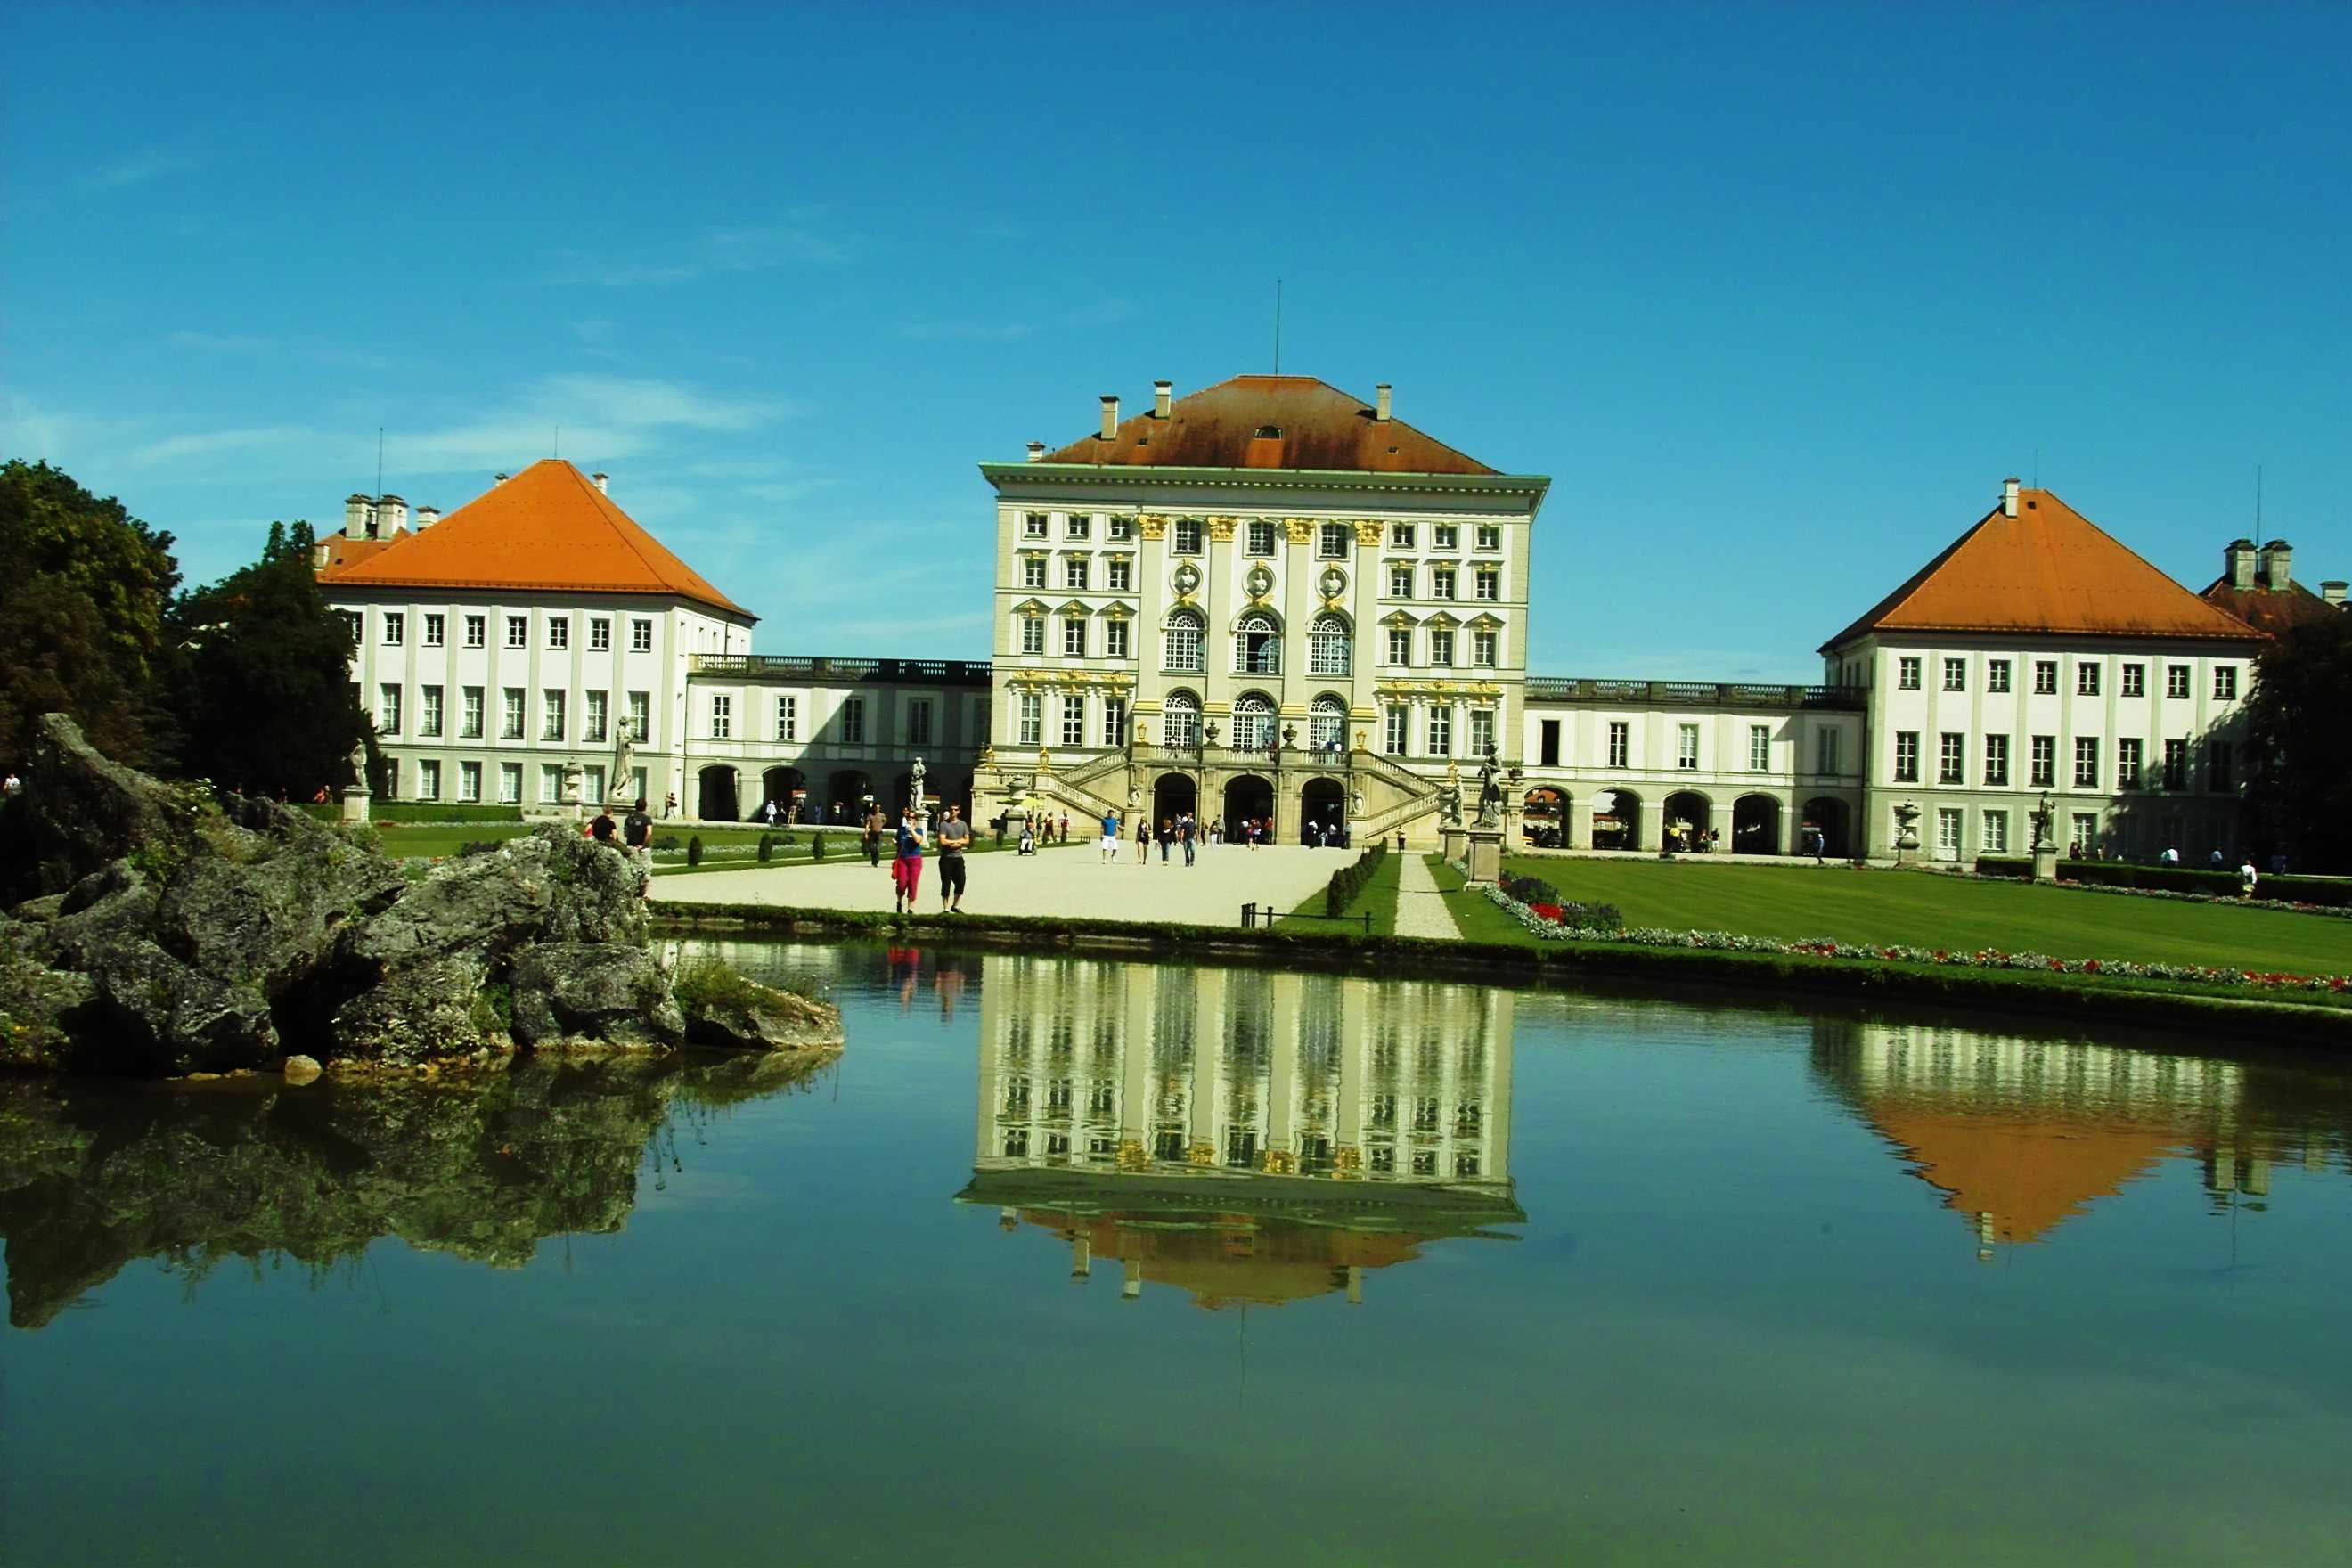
(2335, 892)
(419, 811)
(1348, 880)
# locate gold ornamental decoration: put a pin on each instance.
(1368, 532)
(1152, 525)
(1220, 528)
(1301, 528)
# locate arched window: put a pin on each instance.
(1180, 721)
(1327, 724)
(1253, 723)
(1257, 645)
(1183, 644)
(1327, 646)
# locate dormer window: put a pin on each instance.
(1269, 431)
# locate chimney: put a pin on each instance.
(2009, 496)
(426, 516)
(391, 516)
(602, 483)
(499, 479)
(1163, 397)
(1382, 395)
(2277, 565)
(1036, 451)
(2237, 563)
(359, 514)
(1110, 417)
(2331, 593)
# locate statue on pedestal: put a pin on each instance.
(1490, 794)
(573, 784)
(1449, 796)
(359, 765)
(621, 787)
(2043, 813)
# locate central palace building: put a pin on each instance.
(1273, 599)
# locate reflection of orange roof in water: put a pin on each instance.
(1263, 1264)
(2028, 1173)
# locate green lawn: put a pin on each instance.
(1378, 897)
(1927, 911)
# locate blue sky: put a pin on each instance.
(1777, 296)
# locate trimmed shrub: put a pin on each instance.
(2335, 892)
(1348, 880)
(2003, 866)
(694, 850)
(767, 848)
(816, 846)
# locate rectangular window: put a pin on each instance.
(1121, 571)
(641, 717)
(1995, 833)
(1033, 719)
(788, 718)
(395, 626)
(1547, 744)
(470, 720)
(559, 632)
(1441, 648)
(1114, 721)
(1948, 833)
(1906, 673)
(1951, 758)
(1401, 536)
(2086, 762)
(1440, 731)
(2176, 764)
(1396, 730)
(1181, 646)
(2128, 756)
(722, 716)
(1032, 571)
(550, 715)
(853, 721)
(1258, 538)
(1184, 536)
(1686, 745)
(1621, 743)
(1032, 525)
(2045, 678)
(2225, 683)
(1907, 756)
(1759, 748)
(1074, 721)
(1400, 580)
(1482, 730)
(387, 710)
(2042, 759)
(1996, 760)
(1448, 536)
(1033, 634)
(1997, 675)
(2086, 680)
(596, 717)
(437, 629)
(2218, 765)
(2176, 681)
(510, 783)
(1079, 525)
(1483, 649)
(2086, 833)
(1956, 675)
(1119, 528)
(477, 631)
(1825, 750)
(1486, 583)
(429, 780)
(469, 780)
(919, 721)
(1399, 645)
(1074, 638)
(517, 631)
(1441, 582)
(2135, 679)
(551, 783)
(428, 710)
(1116, 643)
(1490, 536)
(599, 633)
(1074, 572)
(1331, 541)
(641, 635)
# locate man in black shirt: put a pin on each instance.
(955, 837)
(602, 826)
(637, 833)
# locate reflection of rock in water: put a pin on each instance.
(94, 1176)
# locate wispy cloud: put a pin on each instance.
(801, 237)
(318, 350)
(1102, 314)
(214, 443)
(146, 164)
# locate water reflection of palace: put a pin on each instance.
(2021, 1135)
(1250, 1137)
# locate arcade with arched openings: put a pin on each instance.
(1827, 816)
(716, 797)
(1689, 817)
(1322, 806)
(1616, 819)
(1543, 818)
(1175, 795)
(848, 788)
(1755, 825)
(1248, 798)
(782, 786)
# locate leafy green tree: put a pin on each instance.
(2300, 783)
(83, 605)
(267, 702)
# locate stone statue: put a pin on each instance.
(621, 787)
(2042, 815)
(915, 785)
(572, 777)
(359, 764)
(1449, 797)
(1907, 826)
(1490, 794)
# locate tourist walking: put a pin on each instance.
(874, 835)
(1142, 840)
(955, 837)
(1110, 838)
(1184, 836)
(1167, 834)
(2247, 878)
(637, 833)
(906, 865)
(1064, 838)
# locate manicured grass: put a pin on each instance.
(1378, 898)
(1923, 909)
(1478, 916)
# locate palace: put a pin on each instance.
(1272, 599)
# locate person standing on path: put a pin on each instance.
(1110, 838)
(906, 865)
(874, 835)
(955, 837)
(1065, 837)
(637, 833)
(1166, 833)
(2247, 878)
(1143, 840)
(1184, 836)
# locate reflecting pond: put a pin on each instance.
(1184, 1265)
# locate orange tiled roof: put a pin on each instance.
(1320, 428)
(547, 529)
(2029, 1173)
(2048, 569)
(345, 550)
(2271, 612)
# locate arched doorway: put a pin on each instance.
(1755, 826)
(1323, 806)
(1616, 819)
(1827, 815)
(1689, 815)
(1248, 798)
(785, 786)
(716, 799)
(847, 789)
(1543, 818)
(1173, 796)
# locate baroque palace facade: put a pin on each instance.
(1273, 599)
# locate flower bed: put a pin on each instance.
(1537, 921)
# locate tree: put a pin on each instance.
(2300, 783)
(267, 702)
(83, 603)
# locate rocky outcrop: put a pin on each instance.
(745, 1015)
(157, 931)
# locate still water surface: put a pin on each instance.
(1073, 1259)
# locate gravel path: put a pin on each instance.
(1420, 908)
